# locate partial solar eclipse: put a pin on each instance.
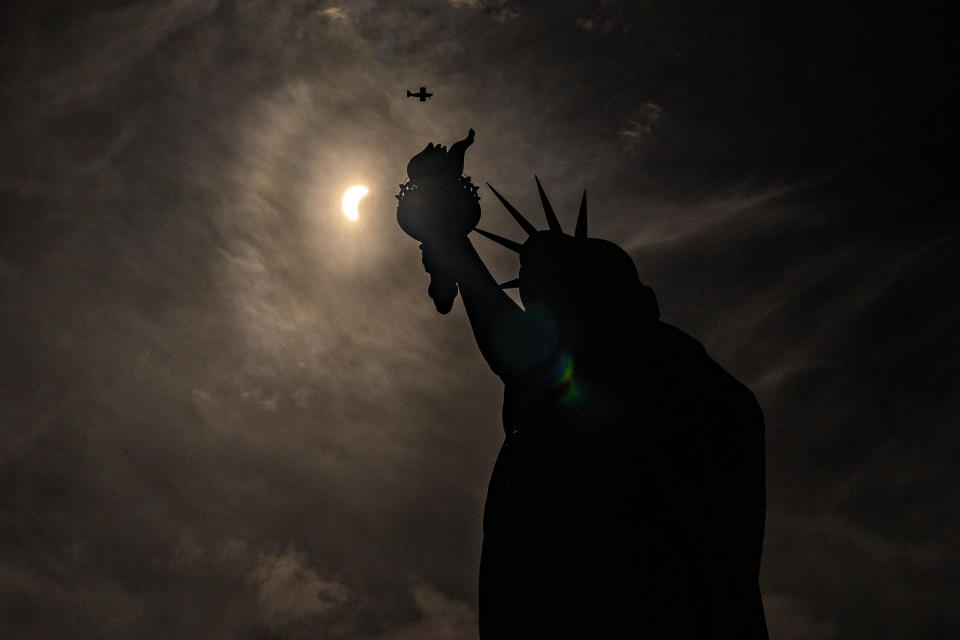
(351, 199)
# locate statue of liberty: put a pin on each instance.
(628, 499)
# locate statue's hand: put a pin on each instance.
(443, 286)
(428, 258)
(442, 255)
(438, 206)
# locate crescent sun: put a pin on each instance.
(351, 199)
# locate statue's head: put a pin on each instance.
(587, 284)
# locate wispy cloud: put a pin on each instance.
(218, 389)
(291, 593)
(647, 116)
(335, 13)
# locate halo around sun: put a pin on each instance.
(351, 199)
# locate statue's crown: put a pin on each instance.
(553, 225)
(570, 270)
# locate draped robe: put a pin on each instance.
(627, 500)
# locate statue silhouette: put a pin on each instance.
(628, 498)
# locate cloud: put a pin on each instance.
(270, 403)
(301, 397)
(647, 116)
(335, 13)
(441, 617)
(217, 392)
(499, 10)
(587, 24)
(290, 592)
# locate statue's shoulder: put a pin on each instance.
(690, 360)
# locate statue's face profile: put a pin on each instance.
(549, 270)
(586, 284)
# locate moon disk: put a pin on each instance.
(351, 199)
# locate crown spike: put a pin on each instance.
(511, 284)
(581, 231)
(552, 221)
(509, 244)
(529, 228)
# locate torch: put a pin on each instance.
(438, 203)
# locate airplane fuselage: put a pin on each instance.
(422, 94)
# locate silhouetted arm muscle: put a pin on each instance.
(501, 328)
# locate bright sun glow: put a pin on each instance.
(351, 199)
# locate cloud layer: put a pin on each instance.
(228, 411)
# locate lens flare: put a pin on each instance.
(564, 379)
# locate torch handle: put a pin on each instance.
(443, 291)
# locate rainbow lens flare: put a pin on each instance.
(563, 377)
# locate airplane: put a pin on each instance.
(422, 94)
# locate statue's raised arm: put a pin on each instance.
(580, 293)
(439, 206)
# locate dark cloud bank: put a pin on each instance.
(228, 412)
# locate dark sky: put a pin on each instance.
(227, 411)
